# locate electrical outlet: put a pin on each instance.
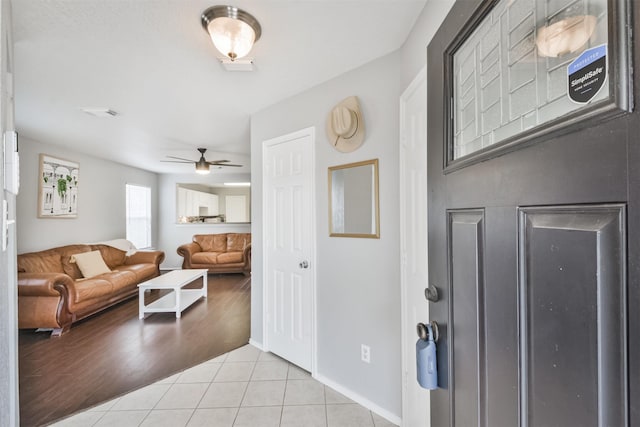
(365, 353)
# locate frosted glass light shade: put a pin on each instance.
(232, 30)
(232, 37)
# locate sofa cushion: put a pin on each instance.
(211, 242)
(229, 257)
(45, 263)
(71, 268)
(88, 289)
(120, 280)
(113, 257)
(205, 257)
(142, 271)
(91, 263)
(237, 241)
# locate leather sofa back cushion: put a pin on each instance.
(237, 241)
(33, 263)
(71, 268)
(113, 257)
(211, 242)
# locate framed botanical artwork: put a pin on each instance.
(58, 187)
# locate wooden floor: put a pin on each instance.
(114, 352)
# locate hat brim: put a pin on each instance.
(347, 145)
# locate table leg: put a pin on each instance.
(204, 284)
(141, 303)
(178, 294)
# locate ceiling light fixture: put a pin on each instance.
(202, 166)
(232, 30)
(565, 36)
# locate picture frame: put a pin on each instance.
(58, 182)
(354, 207)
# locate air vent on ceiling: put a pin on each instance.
(100, 112)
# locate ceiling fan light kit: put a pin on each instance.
(233, 31)
(202, 165)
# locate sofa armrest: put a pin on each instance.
(45, 284)
(145, 257)
(246, 254)
(188, 249)
(44, 300)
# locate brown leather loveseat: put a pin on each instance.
(52, 292)
(219, 253)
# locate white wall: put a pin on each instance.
(9, 411)
(173, 235)
(101, 200)
(414, 50)
(358, 279)
(358, 295)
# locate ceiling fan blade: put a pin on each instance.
(177, 161)
(224, 164)
(216, 162)
(180, 158)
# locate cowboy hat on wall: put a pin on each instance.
(345, 125)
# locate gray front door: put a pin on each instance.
(536, 254)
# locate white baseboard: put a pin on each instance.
(391, 417)
(256, 344)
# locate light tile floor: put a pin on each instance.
(245, 387)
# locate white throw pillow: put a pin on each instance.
(90, 263)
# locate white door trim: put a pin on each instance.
(408, 346)
(310, 132)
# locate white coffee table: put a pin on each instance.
(177, 300)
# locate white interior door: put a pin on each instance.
(289, 242)
(413, 241)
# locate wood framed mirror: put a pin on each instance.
(354, 209)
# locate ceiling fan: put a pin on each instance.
(202, 165)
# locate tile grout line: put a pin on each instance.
(161, 397)
(207, 389)
(245, 390)
(286, 385)
(99, 418)
(326, 407)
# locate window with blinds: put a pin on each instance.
(139, 215)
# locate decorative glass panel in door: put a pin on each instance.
(528, 65)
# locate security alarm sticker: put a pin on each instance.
(587, 74)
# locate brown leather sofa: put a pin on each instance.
(219, 253)
(53, 294)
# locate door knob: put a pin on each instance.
(304, 264)
(431, 293)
